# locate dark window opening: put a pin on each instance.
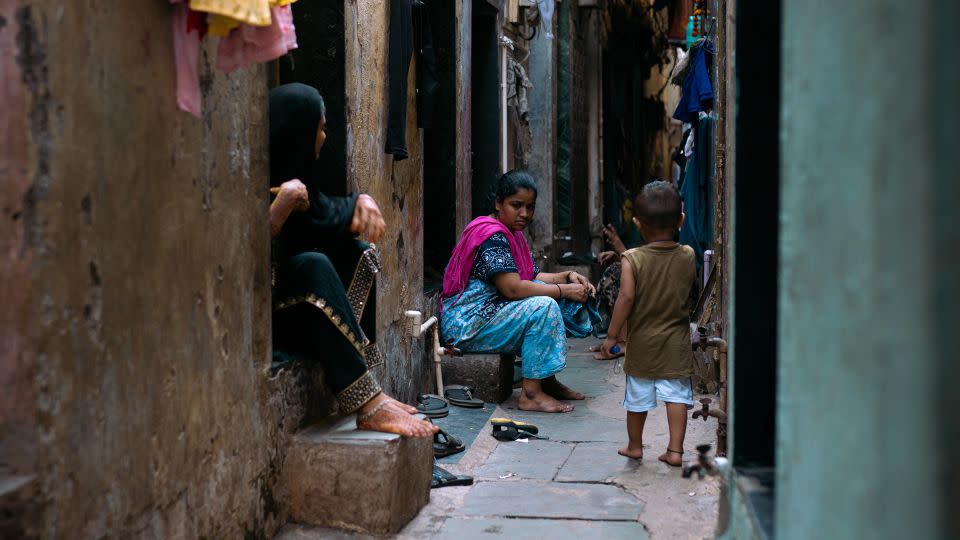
(756, 229)
(440, 151)
(485, 95)
(319, 62)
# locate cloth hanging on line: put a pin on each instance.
(221, 25)
(248, 45)
(517, 85)
(401, 50)
(186, 51)
(241, 46)
(546, 17)
(252, 12)
(697, 94)
(697, 192)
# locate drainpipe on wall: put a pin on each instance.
(506, 45)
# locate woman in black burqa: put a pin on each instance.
(323, 276)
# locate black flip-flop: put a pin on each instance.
(521, 426)
(443, 478)
(461, 396)
(510, 433)
(432, 406)
(445, 444)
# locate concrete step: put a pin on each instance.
(489, 375)
(15, 509)
(337, 476)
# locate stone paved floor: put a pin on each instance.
(575, 483)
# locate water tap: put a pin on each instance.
(706, 412)
(705, 465)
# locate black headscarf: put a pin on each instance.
(295, 113)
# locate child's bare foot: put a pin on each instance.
(672, 457)
(631, 452)
(542, 402)
(558, 390)
(380, 414)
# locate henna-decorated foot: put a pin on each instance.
(380, 414)
(409, 409)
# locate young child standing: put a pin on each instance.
(650, 317)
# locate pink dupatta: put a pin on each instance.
(457, 274)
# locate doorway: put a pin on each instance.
(439, 149)
(756, 251)
(485, 93)
(319, 62)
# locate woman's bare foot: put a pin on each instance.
(541, 402)
(409, 409)
(381, 414)
(631, 452)
(672, 457)
(558, 390)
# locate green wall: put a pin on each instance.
(868, 281)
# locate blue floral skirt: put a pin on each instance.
(535, 328)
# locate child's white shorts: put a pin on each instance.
(642, 394)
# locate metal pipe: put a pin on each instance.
(505, 46)
(707, 260)
(437, 350)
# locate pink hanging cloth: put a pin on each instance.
(188, 30)
(247, 45)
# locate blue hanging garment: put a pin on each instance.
(697, 94)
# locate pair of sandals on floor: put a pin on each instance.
(445, 445)
(434, 406)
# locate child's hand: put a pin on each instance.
(606, 349)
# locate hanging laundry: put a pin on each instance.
(517, 85)
(697, 94)
(222, 25)
(546, 17)
(252, 12)
(187, 33)
(697, 191)
(247, 45)
(401, 50)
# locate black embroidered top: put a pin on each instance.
(494, 257)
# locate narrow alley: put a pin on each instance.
(574, 484)
(341, 269)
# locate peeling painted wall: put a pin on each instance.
(396, 186)
(135, 320)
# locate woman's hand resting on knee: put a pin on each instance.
(579, 279)
(576, 292)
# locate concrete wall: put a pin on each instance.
(464, 158)
(542, 100)
(865, 447)
(135, 254)
(396, 186)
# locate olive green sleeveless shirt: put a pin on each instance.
(658, 326)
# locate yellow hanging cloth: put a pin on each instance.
(221, 25)
(252, 12)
